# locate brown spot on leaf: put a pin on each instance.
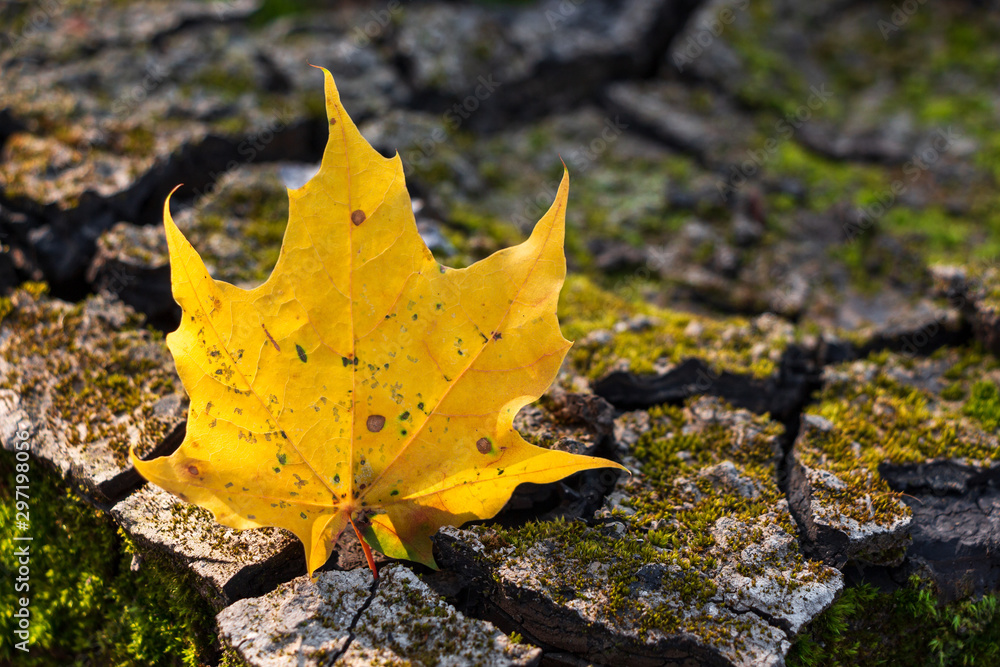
(193, 471)
(357, 216)
(375, 423)
(333, 121)
(483, 445)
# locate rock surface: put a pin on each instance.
(88, 384)
(898, 447)
(344, 619)
(693, 558)
(229, 565)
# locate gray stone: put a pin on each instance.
(714, 132)
(338, 619)
(229, 564)
(844, 526)
(616, 591)
(88, 385)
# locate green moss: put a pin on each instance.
(88, 607)
(984, 404)
(667, 518)
(87, 375)
(898, 422)
(828, 182)
(732, 344)
(866, 628)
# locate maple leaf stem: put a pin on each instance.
(367, 549)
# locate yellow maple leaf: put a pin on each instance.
(363, 382)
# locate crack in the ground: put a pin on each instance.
(770, 619)
(354, 624)
(68, 245)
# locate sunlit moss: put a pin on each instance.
(87, 376)
(88, 607)
(984, 404)
(666, 519)
(733, 344)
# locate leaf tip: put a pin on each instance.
(333, 114)
(168, 220)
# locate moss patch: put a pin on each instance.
(664, 523)
(865, 628)
(896, 409)
(664, 337)
(91, 378)
(88, 607)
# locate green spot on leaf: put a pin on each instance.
(302, 353)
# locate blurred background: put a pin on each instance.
(813, 160)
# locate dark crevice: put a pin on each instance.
(354, 623)
(956, 521)
(262, 577)
(128, 482)
(782, 394)
(190, 22)
(9, 124)
(645, 130)
(469, 590)
(770, 619)
(63, 242)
